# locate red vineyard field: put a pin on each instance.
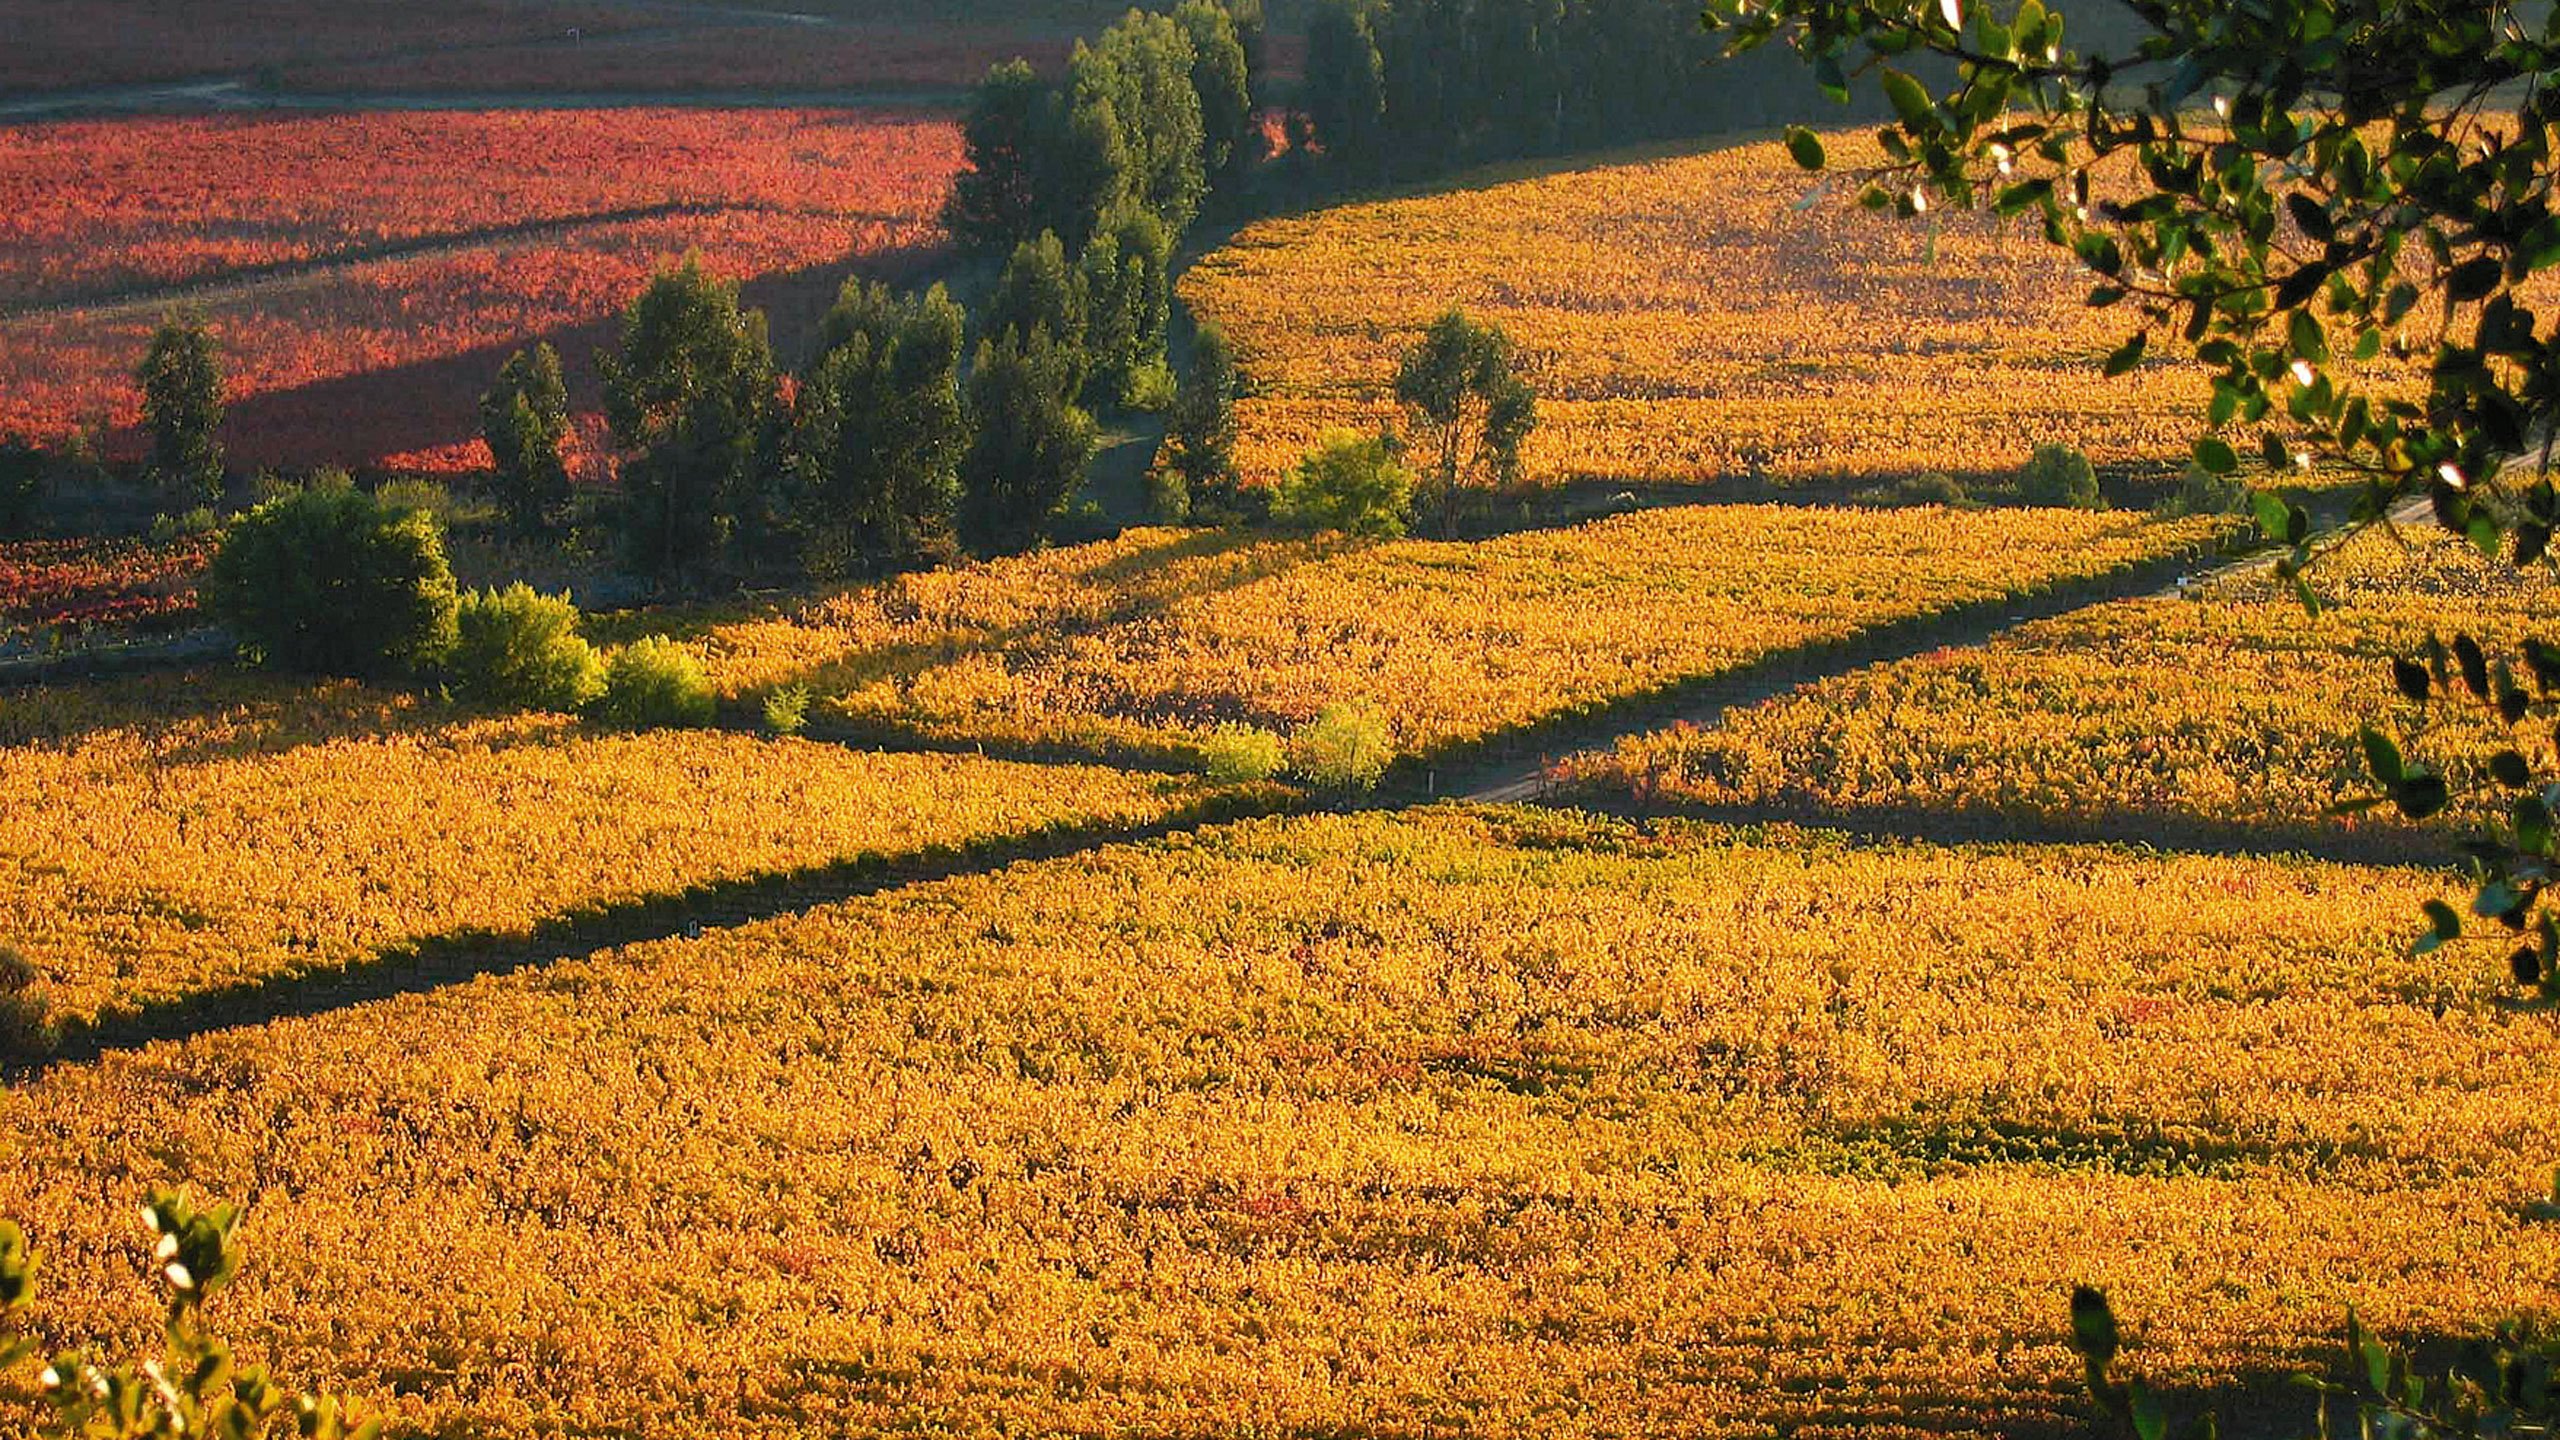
(365, 274)
(76, 583)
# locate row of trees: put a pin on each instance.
(1407, 85)
(880, 455)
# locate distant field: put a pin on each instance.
(2231, 712)
(561, 46)
(1144, 643)
(365, 274)
(197, 830)
(1502, 1124)
(1687, 319)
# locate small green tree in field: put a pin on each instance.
(687, 393)
(22, 470)
(1042, 290)
(1349, 483)
(181, 380)
(654, 682)
(1346, 747)
(329, 581)
(1468, 411)
(525, 419)
(1033, 443)
(2060, 477)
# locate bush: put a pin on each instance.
(1344, 748)
(655, 682)
(1934, 488)
(1168, 496)
(522, 650)
(2201, 492)
(412, 493)
(786, 710)
(199, 521)
(181, 382)
(26, 1030)
(2060, 477)
(1348, 483)
(1237, 754)
(333, 582)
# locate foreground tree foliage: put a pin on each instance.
(524, 417)
(2288, 192)
(197, 1387)
(181, 382)
(687, 394)
(330, 581)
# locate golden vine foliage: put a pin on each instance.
(172, 835)
(1148, 642)
(1502, 1123)
(2228, 709)
(1686, 319)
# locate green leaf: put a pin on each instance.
(2270, 508)
(2421, 796)
(2309, 340)
(2093, 1326)
(2381, 756)
(2443, 926)
(1805, 147)
(1910, 101)
(2216, 456)
(2510, 769)
(2127, 355)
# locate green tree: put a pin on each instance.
(2061, 477)
(1041, 290)
(1200, 435)
(525, 419)
(181, 380)
(1230, 137)
(2292, 190)
(687, 394)
(521, 649)
(1140, 74)
(329, 581)
(1469, 411)
(1127, 282)
(880, 432)
(1032, 443)
(22, 470)
(1345, 90)
(995, 201)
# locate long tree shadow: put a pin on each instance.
(420, 966)
(1510, 763)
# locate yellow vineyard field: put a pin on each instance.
(2232, 708)
(1146, 642)
(1485, 1123)
(1686, 319)
(173, 835)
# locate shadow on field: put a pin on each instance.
(417, 967)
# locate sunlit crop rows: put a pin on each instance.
(1401, 1126)
(188, 831)
(92, 206)
(2232, 708)
(1685, 319)
(382, 361)
(1150, 640)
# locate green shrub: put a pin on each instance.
(1168, 496)
(655, 682)
(1238, 754)
(1934, 488)
(26, 1027)
(1348, 483)
(2201, 492)
(332, 582)
(1346, 747)
(416, 494)
(199, 521)
(2060, 477)
(522, 650)
(786, 709)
